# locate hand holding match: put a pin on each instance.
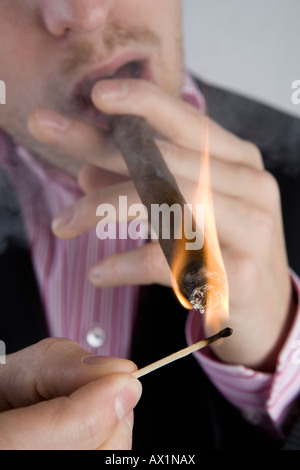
(182, 353)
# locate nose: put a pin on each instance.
(61, 16)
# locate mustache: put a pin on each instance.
(84, 52)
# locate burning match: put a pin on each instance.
(182, 353)
(156, 185)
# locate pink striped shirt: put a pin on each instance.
(102, 320)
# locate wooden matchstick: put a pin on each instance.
(182, 353)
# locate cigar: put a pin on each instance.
(156, 185)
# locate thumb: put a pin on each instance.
(84, 420)
(51, 368)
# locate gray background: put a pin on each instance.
(248, 46)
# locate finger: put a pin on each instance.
(51, 368)
(230, 179)
(142, 266)
(243, 227)
(84, 142)
(235, 180)
(76, 138)
(84, 420)
(84, 214)
(166, 114)
(227, 178)
(237, 222)
(92, 178)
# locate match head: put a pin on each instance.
(222, 334)
(226, 332)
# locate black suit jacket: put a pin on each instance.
(180, 409)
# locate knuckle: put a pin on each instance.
(246, 270)
(143, 96)
(244, 178)
(50, 346)
(267, 189)
(270, 188)
(263, 226)
(46, 353)
(255, 155)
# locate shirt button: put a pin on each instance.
(95, 337)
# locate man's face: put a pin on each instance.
(53, 51)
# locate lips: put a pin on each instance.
(81, 101)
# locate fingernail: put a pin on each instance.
(99, 361)
(111, 89)
(47, 118)
(63, 219)
(127, 397)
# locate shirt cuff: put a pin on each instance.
(264, 399)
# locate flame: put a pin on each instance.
(175, 269)
(217, 307)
